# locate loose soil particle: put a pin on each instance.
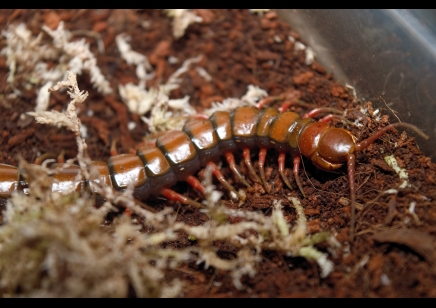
(393, 254)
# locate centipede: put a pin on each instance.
(177, 155)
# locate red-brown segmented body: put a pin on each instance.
(177, 155)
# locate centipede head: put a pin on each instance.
(327, 147)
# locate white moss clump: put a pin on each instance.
(138, 99)
(43, 97)
(166, 113)
(133, 57)
(182, 18)
(27, 56)
(25, 53)
(251, 98)
(78, 56)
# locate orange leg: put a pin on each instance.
(285, 106)
(336, 117)
(329, 117)
(282, 169)
(294, 102)
(172, 195)
(262, 157)
(290, 97)
(269, 100)
(60, 158)
(314, 112)
(113, 150)
(39, 160)
(220, 177)
(297, 161)
(127, 212)
(231, 161)
(247, 160)
(195, 183)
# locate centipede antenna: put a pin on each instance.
(231, 161)
(247, 160)
(351, 163)
(262, 157)
(365, 143)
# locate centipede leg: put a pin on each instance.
(60, 158)
(269, 100)
(172, 195)
(195, 183)
(351, 162)
(290, 97)
(220, 177)
(113, 150)
(262, 157)
(314, 112)
(331, 117)
(282, 169)
(247, 160)
(231, 161)
(127, 212)
(285, 106)
(40, 159)
(295, 102)
(297, 161)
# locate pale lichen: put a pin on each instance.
(79, 57)
(182, 18)
(28, 57)
(402, 173)
(251, 98)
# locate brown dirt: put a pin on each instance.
(394, 252)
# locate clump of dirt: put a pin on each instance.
(393, 252)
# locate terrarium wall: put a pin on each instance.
(388, 56)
